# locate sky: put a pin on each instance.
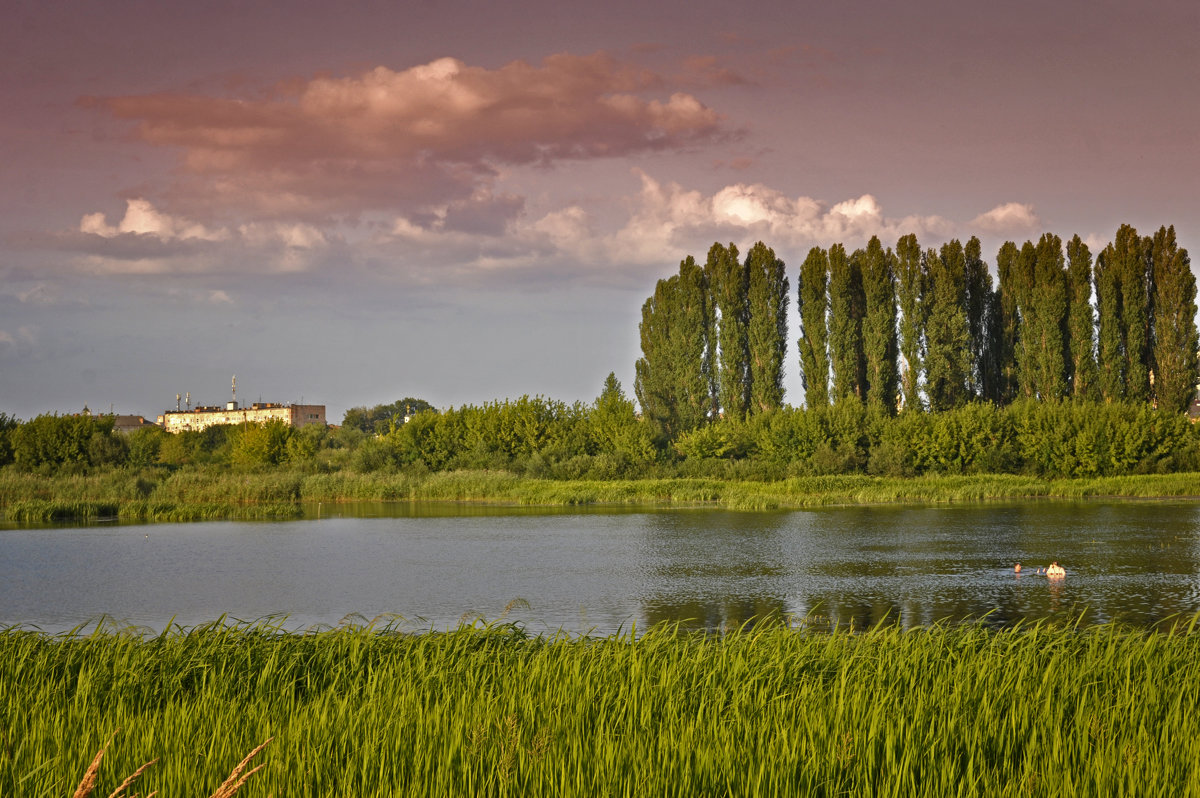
(351, 203)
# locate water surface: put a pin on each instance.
(604, 571)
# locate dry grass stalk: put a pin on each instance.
(230, 786)
(237, 778)
(85, 788)
(93, 772)
(137, 774)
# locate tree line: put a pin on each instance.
(909, 329)
(714, 339)
(533, 436)
(605, 439)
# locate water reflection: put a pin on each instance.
(603, 571)
(854, 568)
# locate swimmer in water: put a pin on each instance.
(1017, 569)
(1056, 570)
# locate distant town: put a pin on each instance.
(185, 418)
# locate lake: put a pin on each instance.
(603, 571)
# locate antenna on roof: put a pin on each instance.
(188, 399)
(177, 398)
(233, 405)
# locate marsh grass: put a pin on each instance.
(491, 710)
(228, 788)
(213, 494)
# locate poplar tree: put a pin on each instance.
(1008, 322)
(946, 332)
(1048, 317)
(1110, 328)
(846, 306)
(730, 286)
(1175, 335)
(992, 381)
(978, 292)
(1084, 376)
(1133, 258)
(911, 289)
(767, 331)
(671, 383)
(880, 348)
(813, 303)
(1024, 267)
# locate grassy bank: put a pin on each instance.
(199, 494)
(940, 711)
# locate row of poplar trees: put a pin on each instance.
(908, 329)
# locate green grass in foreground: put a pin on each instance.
(192, 495)
(772, 711)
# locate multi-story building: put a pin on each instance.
(199, 417)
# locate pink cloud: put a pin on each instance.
(429, 134)
(670, 219)
(1011, 218)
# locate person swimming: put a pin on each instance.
(1017, 569)
(1056, 570)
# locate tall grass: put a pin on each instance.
(493, 711)
(208, 493)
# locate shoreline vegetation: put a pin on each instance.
(492, 710)
(216, 494)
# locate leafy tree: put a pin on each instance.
(1047, 320)
(880, 346)
(992, 380)
(51, 442)
(7, 425)
(1007, 323)
(947, 335)
(1082, 363)
(379, 418)
(847, 306)
(730, 284)
(911, 277)
(1133, 258)
(145, 445)
(614, 426)
(107, 449)
(305, 443)
(263, 444)
(1025, 267)
(1110, 345)
(193, 447)
(813, 304)
(978, 284)
(1175, 335)
(672, 385)
(767, 330)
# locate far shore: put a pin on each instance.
(220, 494)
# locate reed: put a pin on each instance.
(237, 777)
(211, 494)
(491, 710)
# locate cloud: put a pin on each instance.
(489, 234)
(1096, 243)
(142, 218)
(663, 223)
(427, 135)
(149, 241)
(1011, 218)
(670, 219)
